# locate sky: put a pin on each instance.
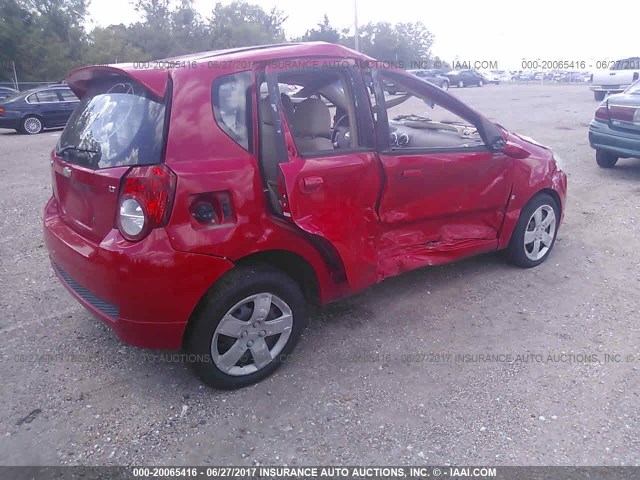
(502, 31)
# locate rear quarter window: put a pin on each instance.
(231, 97)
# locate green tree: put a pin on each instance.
(112, 45)
(242, 24)
(323, 32)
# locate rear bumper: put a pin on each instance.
(603, 137)
(13, 123)
(609, 88)
(144, 291)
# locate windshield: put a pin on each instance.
(116, 124)
(627, 64)
(634, 89)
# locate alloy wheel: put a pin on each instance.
(540, 233)
(251, 334)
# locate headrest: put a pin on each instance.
(312, 118)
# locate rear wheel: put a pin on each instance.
(605, 159)
(246, 327)
(535, 233)
(31, 125)
(599, 96)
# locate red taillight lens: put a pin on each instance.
(623, 113)
(1, 110)
(602, 112)
(145, 200)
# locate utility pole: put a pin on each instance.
(15, 75)
(357, 31)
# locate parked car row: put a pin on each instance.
(34, 110)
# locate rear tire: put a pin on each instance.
(535, 233)
(31, 125)
(239, 317)
(606, 159)
(599, 96)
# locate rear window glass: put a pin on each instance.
(627, 64)
(116, 124)
(231, 98)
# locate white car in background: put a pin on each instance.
(490, 77)
(623, 73)
(502, 75)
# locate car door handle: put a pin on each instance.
(311, 184)
(412, 172)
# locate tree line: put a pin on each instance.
(45, 39)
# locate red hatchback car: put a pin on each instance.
(200, 203)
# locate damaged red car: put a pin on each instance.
(200, 203)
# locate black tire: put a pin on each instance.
(234, 287)
(444, 85)
(606, 159)
(31, 125)
(516, 252)
(599, 96)
(461, 84)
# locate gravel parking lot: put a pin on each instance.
(381, 378)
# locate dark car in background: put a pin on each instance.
(465, 78)
(615, 131)
(435, 77)
(34, 110)
(7, 92)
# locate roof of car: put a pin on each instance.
(154, 74)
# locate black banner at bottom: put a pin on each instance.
(333, 472)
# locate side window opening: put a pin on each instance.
(232, 107)
(319, 107)
(416, 121)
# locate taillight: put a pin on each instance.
(145, 199)
(602, 112)
(1, 110)
(623, 113)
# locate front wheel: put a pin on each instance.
(599, 96)
(246, 328)
(606, 159)
(535, 233)
(444, 85)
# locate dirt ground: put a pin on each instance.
(377, 379)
